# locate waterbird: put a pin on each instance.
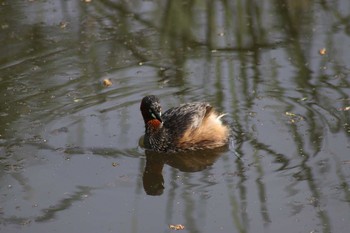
(190, 126)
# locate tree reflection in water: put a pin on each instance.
(258, 61)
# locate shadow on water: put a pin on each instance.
(68, 145)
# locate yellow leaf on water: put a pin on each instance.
(177, 227)
(322, 51)
(107, 82)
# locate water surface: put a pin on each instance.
(70, 159)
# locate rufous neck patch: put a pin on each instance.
(155, 123)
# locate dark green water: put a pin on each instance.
(70, 159)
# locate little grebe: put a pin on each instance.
(190, 126)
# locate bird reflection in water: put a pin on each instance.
(189, 161)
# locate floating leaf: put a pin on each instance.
(322, 51)
(345, 109)
(107, 82)
(177, 227)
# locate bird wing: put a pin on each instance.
(187, 116)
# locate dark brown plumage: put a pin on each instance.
(190, 126)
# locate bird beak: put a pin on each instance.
(158, 116)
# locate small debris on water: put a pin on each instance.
(78, 100)
(290, 114)
(344, 109)
(114, 164)
(26, 222)
(294, 118)
(63, 24)
(107, 82)
(177, 227)
(322, 51)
